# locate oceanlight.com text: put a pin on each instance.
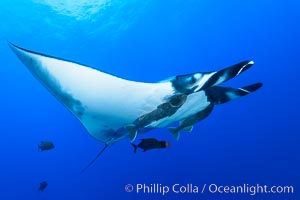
(190, 188)
(250, 189)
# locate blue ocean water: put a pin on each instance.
(252, 140)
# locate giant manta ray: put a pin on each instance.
(112, 108)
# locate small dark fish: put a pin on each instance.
(150, 143)
(43, 185)
(46, 145)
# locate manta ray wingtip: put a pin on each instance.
(10, 44)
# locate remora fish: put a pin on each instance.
(162, 111)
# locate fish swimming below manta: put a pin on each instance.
(112, 108)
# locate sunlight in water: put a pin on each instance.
(80, 9)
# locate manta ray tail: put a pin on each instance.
(227, 74)
(220, 95)
(97, 156)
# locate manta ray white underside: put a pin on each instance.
(105, 104)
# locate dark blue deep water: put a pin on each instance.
(252, 140)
